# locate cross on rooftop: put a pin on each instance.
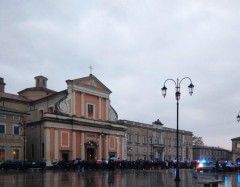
(91, 68)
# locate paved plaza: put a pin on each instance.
(117, 178)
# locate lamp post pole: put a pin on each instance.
(24, 144)
(177, 94)
(177, 168)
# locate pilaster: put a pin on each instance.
(82, 146)
(56, 155)
(82, 104)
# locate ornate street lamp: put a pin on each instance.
(238, 117)
(177, 94)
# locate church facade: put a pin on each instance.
(78, 122)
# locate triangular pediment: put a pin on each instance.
(92, 82)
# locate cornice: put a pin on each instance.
(67, 120)
(91, 91)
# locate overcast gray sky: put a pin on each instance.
(133, 46)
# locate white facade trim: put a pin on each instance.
(100, 147)
(68, 138)
(107, 108)
(106, 153)
(82, 146)
(99, 108)
(94, 109)
(82, 104)
(74, 145)
(73, 103)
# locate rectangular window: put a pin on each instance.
(90, 109)
(129, 137)
(137, 138)
(2, 129)
(165, 141)
(157, 140)
(169, 142)
(144, 139)
(16, 130)
(2, 154)
(151, 140)
(238, 145)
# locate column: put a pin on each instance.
(107, 108)
(124, 141)
(106, 152)
(100, 147)
(82, 104)
(82, 146)
(56, 152)
(124, 147)
(74, 145)
(47, 143)
(73, 103)
(118, 146)
(99, 108)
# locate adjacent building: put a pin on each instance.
(236, 150)
(12, 111)
(211, 154)
(155, 142)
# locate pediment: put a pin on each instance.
(92, 82)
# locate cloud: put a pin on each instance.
(133, 46)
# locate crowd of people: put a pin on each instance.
(118, 164)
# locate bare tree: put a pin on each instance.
(197, 140)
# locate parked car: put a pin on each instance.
(12, 164)
(230, 167)
(35, 164)
(61, 164)
(209, 167)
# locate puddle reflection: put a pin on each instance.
(134, 178)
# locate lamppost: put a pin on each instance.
(238, 117)
(151, 144)
(177, 94)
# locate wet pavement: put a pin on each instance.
(117, 178)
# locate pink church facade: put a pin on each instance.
(78, 122)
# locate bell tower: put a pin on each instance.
(41, 81)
